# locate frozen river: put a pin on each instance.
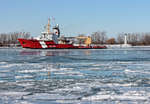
(109, 76)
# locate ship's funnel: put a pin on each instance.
(56, 30)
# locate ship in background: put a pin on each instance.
(52, 40)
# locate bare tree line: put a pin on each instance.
(134, 38)
(7, 39)
(100, 37)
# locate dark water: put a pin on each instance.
(110, 76)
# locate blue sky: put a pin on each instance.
(75, 16)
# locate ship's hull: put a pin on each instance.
(41, 44)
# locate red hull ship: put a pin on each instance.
(51, 40)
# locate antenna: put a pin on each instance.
(53, 19)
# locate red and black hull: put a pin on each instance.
(41, 44)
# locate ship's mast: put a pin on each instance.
(48, 26)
